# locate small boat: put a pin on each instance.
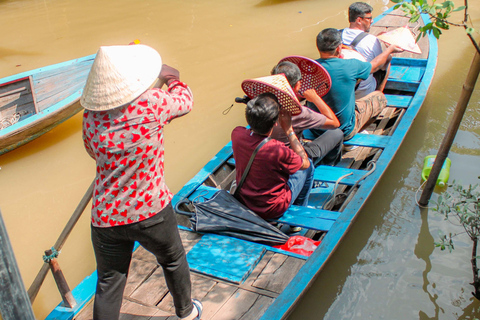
(34, 102)
(239, 279)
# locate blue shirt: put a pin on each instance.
(341, 97)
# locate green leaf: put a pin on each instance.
(470, 31)
(396, 1)
(459, 9)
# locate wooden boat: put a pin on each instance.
(237, 279)
(33, 102)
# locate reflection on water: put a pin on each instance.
(386, 268)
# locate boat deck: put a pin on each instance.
(146, 295)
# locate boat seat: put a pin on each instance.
(309, 218)
(406, 74)
(332, 174)
(368, 140)
(398, 101)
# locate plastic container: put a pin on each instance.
(444, 173)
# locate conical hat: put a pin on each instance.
(314, 75)
(401, 37)
(119, 75)
(279, 86)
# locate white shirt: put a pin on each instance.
(369, 47)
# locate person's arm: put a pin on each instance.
(285, 121)
(379, 61)
(332, 121)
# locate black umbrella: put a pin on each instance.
(223, 214)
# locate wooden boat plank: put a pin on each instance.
(408, 86)
(332, 174)
(242, 304)
(200, 288)
(139, 271)
(398, 101)
(368, 140)
(56, 89)
(152, 290)
(65, 70)
(278, 272)
(306, 219)
(132, 310)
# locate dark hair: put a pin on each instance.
(290, 70)
(358, 9)
(262, 112)
(328, 40)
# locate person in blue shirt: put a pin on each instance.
(352, 114)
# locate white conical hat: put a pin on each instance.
(119, 75)
(401, 37)
(279, 86)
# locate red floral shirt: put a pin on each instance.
(127, 145)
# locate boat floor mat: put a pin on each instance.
(225, 258)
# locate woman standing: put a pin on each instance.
(123, 132)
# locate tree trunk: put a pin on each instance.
(447, 142)
(476, 282)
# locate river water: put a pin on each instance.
(386, 268)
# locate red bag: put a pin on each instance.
(299, 244)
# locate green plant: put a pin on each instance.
(462, 204)
(439, 13)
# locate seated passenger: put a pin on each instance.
(279, 176)
(357, 37)
(325, 149)
(352, 114)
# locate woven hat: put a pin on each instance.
(401, 37)
(119, 75)
(279, 86)
(314, 75)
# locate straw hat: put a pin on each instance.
(119, 75)
(403, 38)
(279, 86)
(314, 75)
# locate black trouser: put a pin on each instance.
(326, 148)
(113, 251)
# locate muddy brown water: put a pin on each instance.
(386, 268)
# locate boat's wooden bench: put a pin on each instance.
(398, 101)
(406, 74)
(310, 218)
(368, 140)
(332, 174)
